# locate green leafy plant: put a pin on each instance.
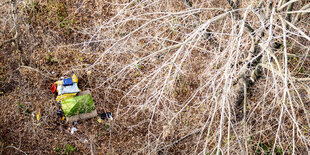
(301, 70)
(57, 149)
(106, 127)
(266, 148)
(69, 149)
(50, 59)
(140, 66)
(66, 149)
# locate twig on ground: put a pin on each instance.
(289, 4)
(18, 149)
(298, 29)
(302, 12)
(34, 69)
(298, 55)
(234, 5)
(290, 8)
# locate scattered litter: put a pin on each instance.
(39, 115)
(73, 129)
(106, 115)
(53, 88)
(59, 113)
(88, 72)
(85, 141)
(99, 120)
(75, 123)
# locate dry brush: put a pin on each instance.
(199, 77)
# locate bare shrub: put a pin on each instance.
(195, 77)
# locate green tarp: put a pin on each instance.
(78, 105)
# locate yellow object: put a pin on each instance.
(38, 115)
(99, 120)
(74, 78)
(65, 96)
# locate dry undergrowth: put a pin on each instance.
(180, 77)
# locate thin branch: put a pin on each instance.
(18, 149)
(290, 8)
(16, 25)
(234, 6)
(302, 12)
(208, 34)
(301, 79)
(298, 55)
(34, 69)
(290, 3)
(298, 29)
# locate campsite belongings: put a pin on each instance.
(60, 114)
(73, 129)
(75, 105)
(106, 115)
(79, 107)
(66, 88)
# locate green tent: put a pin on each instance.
(78, 105)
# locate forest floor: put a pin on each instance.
(55, 39)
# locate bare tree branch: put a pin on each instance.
(16, 25)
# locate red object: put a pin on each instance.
(53, 88)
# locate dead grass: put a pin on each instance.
(168, 72)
